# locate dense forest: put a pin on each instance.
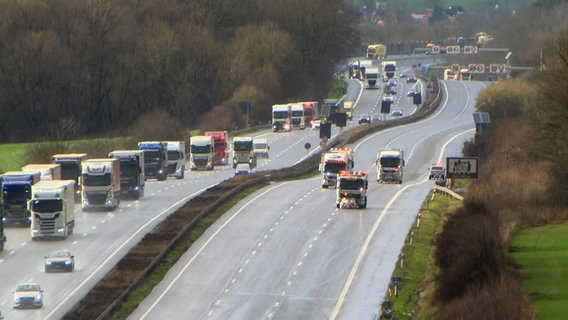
(90, 68)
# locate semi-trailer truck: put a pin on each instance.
(201, 152)
(101, 184)
(49, 171)
(332, 162)
(243, 152)
(132, 175)
(53, 209)
(390, 165)
(221, 148)
(155, 159)
(176, 159)
(71, 168)
(16, 192)
(351, 189)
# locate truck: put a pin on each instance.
(221, 149)
(376, 51)
(53, 209)
(330, 108)
(352, 189)
(333, 161)
(71, 168)
(390, 165)
(201, 152)
(243, 152)
(298, 116)
(348, 108)
(132, 173)
(176, 159)
(16, 192)
(49, 171)
(372, 78)
(311, 112)
(388, 70)
(363, 66)
(281, 117)
(101, 183)
(155, 159)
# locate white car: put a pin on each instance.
(28, 295)
(242, 169)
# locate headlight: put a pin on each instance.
(68, 262)
(48, 263)
(38, 298)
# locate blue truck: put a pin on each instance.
(16, 192)
(155, 159)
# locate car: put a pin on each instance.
(376, 118)
(402, 75)
(364, 118)
(28, 295)
(59, 261)
(260, 147)
(396, 113)
(411, 80)
(242, 169)
(436, 171)
(410, 93)
(316, 124)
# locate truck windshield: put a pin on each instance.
(347, 184)
(260, 145)
(297, 113)
(47, 205)
(220, 145)
(16, 193)
(96, 181)
(128, 168)
(70, 170)
(152, 156)
(280, 114)
(390, 162)
(200, 149)
(173, 155)
(334, 167)
(242, 145)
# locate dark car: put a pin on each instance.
(364, 118)
(59, 261)
(411, 80)
(28, 295)
(396, 113)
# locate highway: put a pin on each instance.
(102, 238)
(286, 252)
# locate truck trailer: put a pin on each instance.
(155, 159)
(16, 192)
(390, 165)
(201, 153)
(49, 171)
(281, 117)
(71, 169)
(176, 159)
(101, 184)
(53, 209)
(132, 174)
(221, 148)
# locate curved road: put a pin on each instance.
(286, 252)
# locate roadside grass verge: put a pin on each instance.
(542, 255)
(137, 295)
(13, 156)
(411, 296)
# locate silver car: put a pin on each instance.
(59, 261)
(28, 295)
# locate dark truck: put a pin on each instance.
(71, 168)
(16, 192)
(155, 159)
(132, 173)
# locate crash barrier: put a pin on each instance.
(258, 179)
(448, 192)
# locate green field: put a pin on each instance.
(542, 253)
(12, 156)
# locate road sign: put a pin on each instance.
(476, 68)
(453, 49)
(436, 49)
(497, 68)
(455, 68)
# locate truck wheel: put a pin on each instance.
(337, 205)
(364, 204)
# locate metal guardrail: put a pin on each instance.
(448, 192)
(294, 172)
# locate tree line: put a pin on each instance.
(93, 67)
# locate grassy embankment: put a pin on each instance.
(542, 254)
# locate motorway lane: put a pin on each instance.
(285, 252)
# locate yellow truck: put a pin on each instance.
(348, 107)
(376, 51)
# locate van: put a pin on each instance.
(260, 147)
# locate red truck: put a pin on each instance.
(221, 146)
